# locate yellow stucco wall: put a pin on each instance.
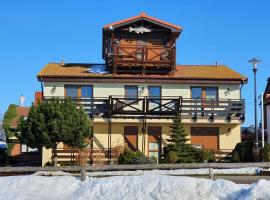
(229, 134)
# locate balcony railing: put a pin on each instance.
(212, 108)
(139, 55)
(119, 106)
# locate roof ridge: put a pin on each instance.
(143, 15)
(200, 65)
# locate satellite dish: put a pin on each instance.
(21, 100)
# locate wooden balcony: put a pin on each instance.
(213, 108)
(145, 58)
(165, 107)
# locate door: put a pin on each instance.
(154, 141)
(154, 49)
(204, 98)
(131, 137)
(205, 137)
(154, 94)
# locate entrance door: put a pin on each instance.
(206, 137)
(131, 137)
(154, 141)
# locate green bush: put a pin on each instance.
(204, 155)
(266, 153)
(134, 157)
(235, 157)
(245, 151)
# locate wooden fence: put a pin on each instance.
(95, 168)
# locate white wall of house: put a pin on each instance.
(106, 89)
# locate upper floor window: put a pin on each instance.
(204, 92)
(131, 92)
(87, 91)
(154, 91)
(71, 91)
(84, 91)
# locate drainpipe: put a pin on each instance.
(42, 90)
(242, 84)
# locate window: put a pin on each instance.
(211, 93)
(25, 149)
(72, 91)
(131, 92)
(204, 92)
(196, 93)
(154, 92)
(87, 91)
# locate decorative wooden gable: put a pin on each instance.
(141, 44)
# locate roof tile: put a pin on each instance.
(194, 72)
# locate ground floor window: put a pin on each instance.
(26, 149)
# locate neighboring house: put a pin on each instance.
(267, 108)
(133, 97)
(248, 133)
(21, 153)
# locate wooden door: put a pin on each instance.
(127, 49)
(154, 49)
(131, 137)
(207, 137)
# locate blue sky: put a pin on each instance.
(33, 33)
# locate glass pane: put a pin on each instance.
(131, 91)
(87, 91)
(24, 148)
(153, 146)
(211, 93)
(71, 91)
(155, 91)
(32, 149)
(196, 93)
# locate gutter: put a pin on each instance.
(41, 84)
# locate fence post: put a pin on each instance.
(211, 173)
(83, 174)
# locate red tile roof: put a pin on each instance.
(192, 72)
(143, 16)
(20, 112)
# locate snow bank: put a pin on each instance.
(51, 173)
(240, 171)
(128, 187)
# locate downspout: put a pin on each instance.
(41, 84)
(242, 84)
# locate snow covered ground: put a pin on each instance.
(239, 171)
(128, 187)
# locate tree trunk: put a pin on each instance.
(54, 156)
